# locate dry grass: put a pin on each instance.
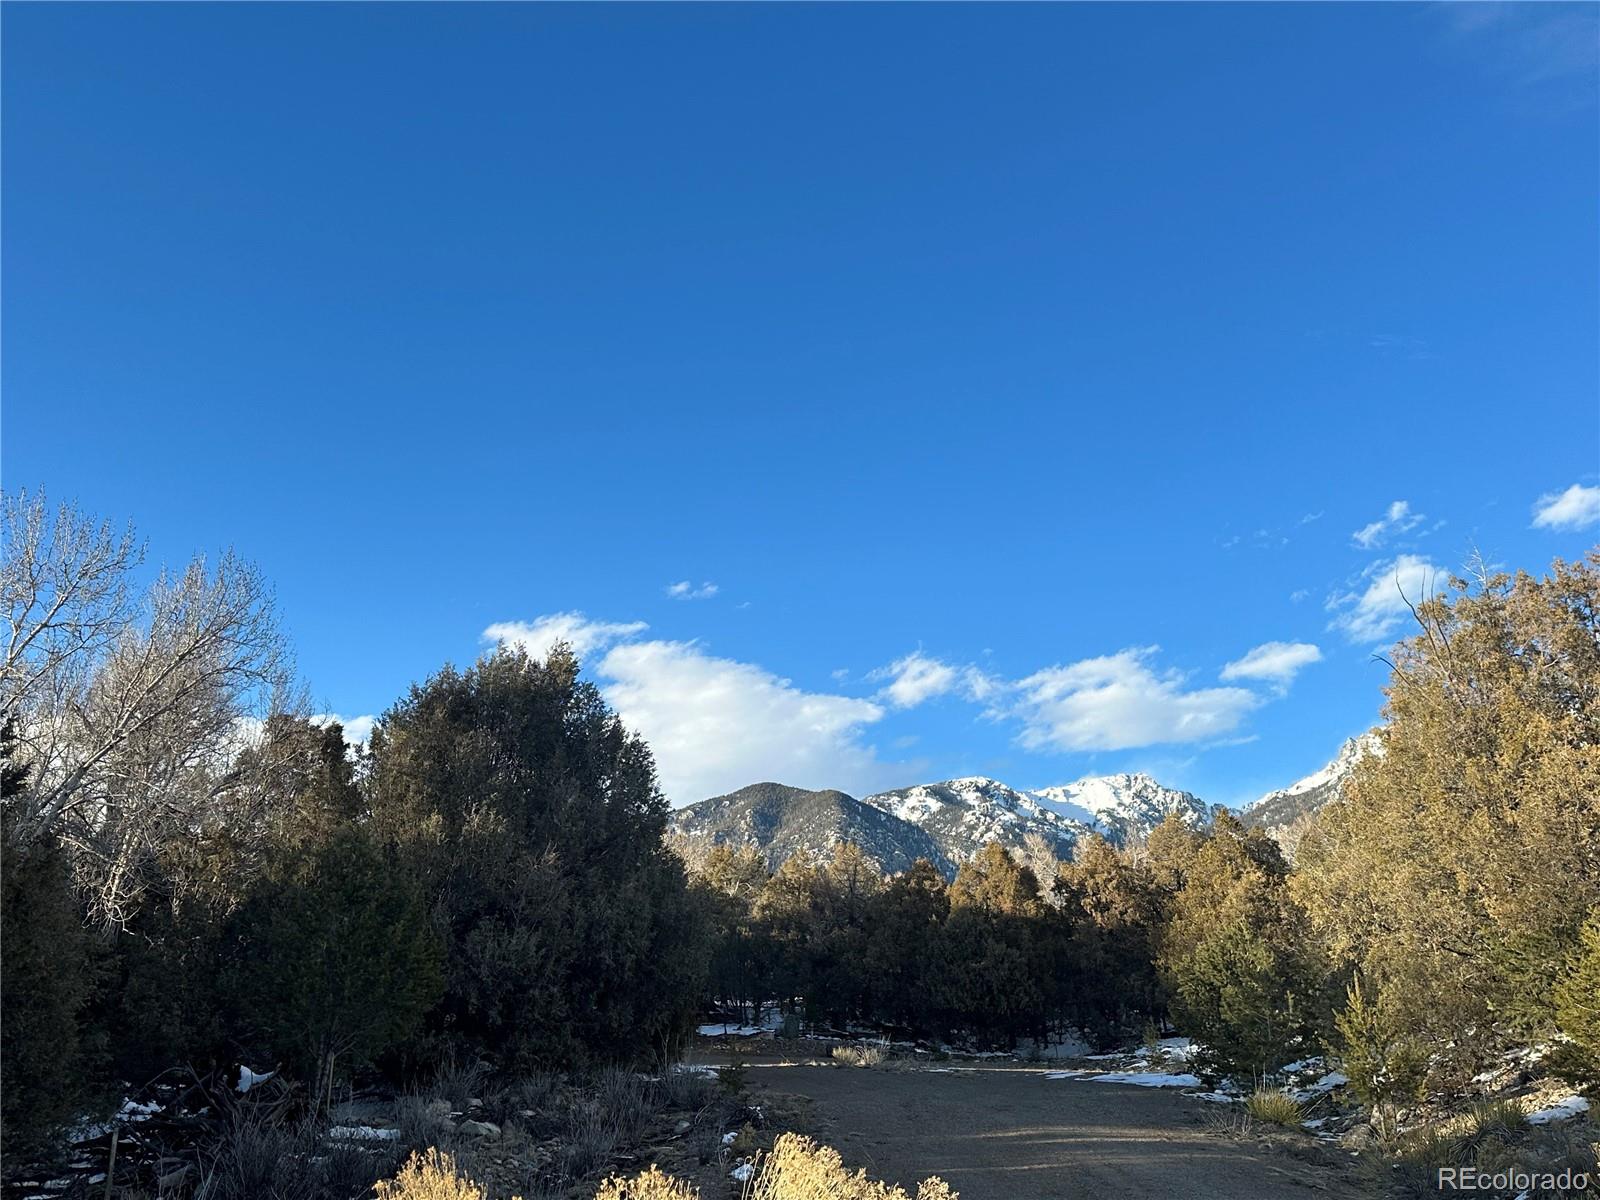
(1492, 1136)
(857, 1056)
(796, 1169)
(651, 1185)
(1274, 1106)
(431, 1176)
(799, 1169)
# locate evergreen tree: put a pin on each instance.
(1115, 988)
(334, 959)
(532, 819)
(1458, 867)
(1246, 977)
(1386, 1066)
(904, 935)
(1577, 1006)
(45, 1046)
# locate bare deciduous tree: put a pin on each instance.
(129, 703)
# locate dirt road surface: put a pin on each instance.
(1009, 1133)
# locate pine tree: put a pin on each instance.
(1385, 1064)
(1244, 974)
(1577, 1008)
(533, 821)
(1458, 867)
(44, 987)
(904, 944)
(335, 959)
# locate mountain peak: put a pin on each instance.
(1285, 812)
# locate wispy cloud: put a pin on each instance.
(1576, 508)
(685, 590)
(1379, 600)
(918, 678)
(1548, 50)
(538, 636)
(1396, 520)
(1275, 662)
(1120, 702)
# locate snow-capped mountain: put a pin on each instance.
(1283, 813)
(964, 815)
(947, 823)
(1122, 808)
(784, 821)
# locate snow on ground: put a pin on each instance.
(363, 1133)
(131, 1110)
(1135, 1078)
(248, 1078)
(743, 1172)
(728, 1030)
(1565, 1110)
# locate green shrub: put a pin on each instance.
(44, 987)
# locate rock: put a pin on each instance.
(682, 1127)
(484, 1129)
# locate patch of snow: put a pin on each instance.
(1156, 1079)
(742, 1172)
(729, 1138)
(248, 1078)
(1565, 1110)
(363, 1133)
(727, 1030)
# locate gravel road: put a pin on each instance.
(1008, 1133)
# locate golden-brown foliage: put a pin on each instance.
(1459, 866)
(798, 1168)
(653, 1184)
(430, 1176)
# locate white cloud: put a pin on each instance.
(917, 678)
(1397, 519)
(1118, 702)
(578, 631)
(1575, 508)
(1277, 662)
(357, 730)
(684, 590)
(1380, 602)
(716, 724)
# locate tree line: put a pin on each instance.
(1441, 914)
(1195, 927)
(196, 870)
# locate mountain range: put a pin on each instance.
(1286, 812)
(949, 822)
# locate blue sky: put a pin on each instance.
(992, 377)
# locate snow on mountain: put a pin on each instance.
(1284, 812)
(964, 815)
(1122, 808)
(784, 821)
